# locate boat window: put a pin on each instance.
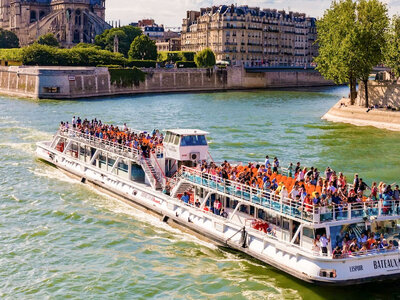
(176, 141)
(308, 232)
(102, 159)
(350, 231)
(167, 137)
(194, 140)
(111, 162)
(286, 225)
(123, 166)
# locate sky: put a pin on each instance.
(171, 12)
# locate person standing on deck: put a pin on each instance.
(356, 182)
(276, 165)
(267, 163)
(324, 241)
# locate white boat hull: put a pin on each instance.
(284, 256)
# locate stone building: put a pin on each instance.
(249, 35)
(71, 21)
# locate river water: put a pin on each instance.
(60, 238)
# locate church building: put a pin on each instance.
(71, 21)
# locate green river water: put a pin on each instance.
(62, 239)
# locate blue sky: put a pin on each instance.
(171, 12)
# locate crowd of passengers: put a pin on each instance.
(306, 186)
(124, 136)
(366, 242)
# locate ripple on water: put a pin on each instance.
(63, 239)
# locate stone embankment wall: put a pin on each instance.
(19, 82)
(79, 82)
(383, 93)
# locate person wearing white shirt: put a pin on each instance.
(324, 241)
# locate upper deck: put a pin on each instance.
(349, 213)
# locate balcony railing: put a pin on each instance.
(292, 208)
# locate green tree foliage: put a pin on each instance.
(174, 56)
(85, 45)
(143, 48)
(49, 40)
(351, 38)
(126, 77)
(205, 58)
(8, 39)
(336, 38)
(125, 34)
(43, 55)
(13, 54)
(392, 56)
(373, 22)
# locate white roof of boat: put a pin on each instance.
(184, 132)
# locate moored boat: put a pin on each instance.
(164, 174)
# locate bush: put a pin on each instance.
(205, 58)
(8, 39)
(186, 64)
(144, 48)
(86, 45)
(48, 39)
(175, 56)
(188, 56)
(126, 77)
(14, 54)
(141, 63)
(109, 66)
(43, 55)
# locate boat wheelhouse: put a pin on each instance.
(276, 230)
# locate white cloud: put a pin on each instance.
(171, 12)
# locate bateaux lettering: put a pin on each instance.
(386, 263)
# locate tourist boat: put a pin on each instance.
(287, 244)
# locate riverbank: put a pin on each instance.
(343, 112)
(85, 82)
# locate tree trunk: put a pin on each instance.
(353, 90)
(366, 93)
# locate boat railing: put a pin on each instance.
(107, 145)
(287, 206)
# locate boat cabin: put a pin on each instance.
(184, 147)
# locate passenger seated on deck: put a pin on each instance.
(337, 252)
(224, 214)
(185, 198)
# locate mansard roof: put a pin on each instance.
(91, 2)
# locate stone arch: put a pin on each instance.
(33, 16)
(78, 17)
(76, 39)
(42, 14)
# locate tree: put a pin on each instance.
(48, 39)
(336, 34)
(86, 46)
(372, 25)
(392, 56)
(351, 38)
(125, 35)
(8, 39)
(143, 48)
(205, 58)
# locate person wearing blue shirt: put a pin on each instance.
(185, 198)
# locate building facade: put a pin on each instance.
(251, 36)
(71, 21)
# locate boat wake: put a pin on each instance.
(121, 208)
